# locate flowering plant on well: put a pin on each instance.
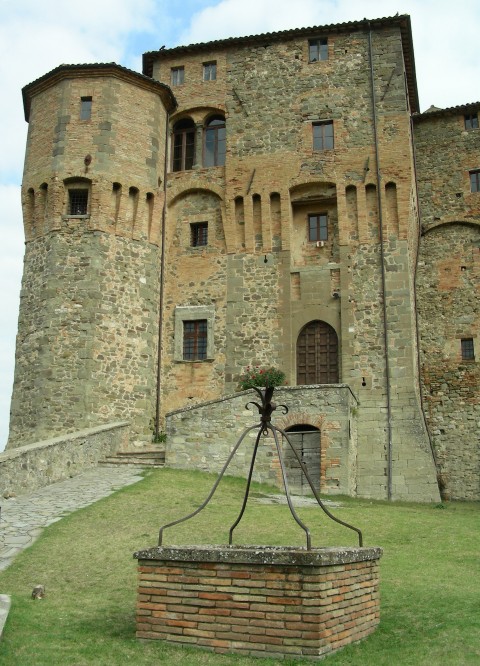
(256, 376)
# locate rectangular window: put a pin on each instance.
(475, 181)
(323, 135)
(317, 49)
(209, 71)
(468, 351)
(195, 340)
(78, 202)
(85, 108)
(177, 76)
(318, 227)
(199, 234)
(471, 121)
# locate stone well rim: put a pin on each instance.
(282, 555)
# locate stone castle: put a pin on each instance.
(273, 200)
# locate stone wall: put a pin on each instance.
(87, 348)
(89, 311)
(26, 468)
(202, 437)
(263, 602)
(261, 275)
(449, 311)
(448, 288)
(88, 328)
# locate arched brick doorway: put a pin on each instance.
(306, 440)
(317, 354)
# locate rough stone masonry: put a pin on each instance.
(275, 200)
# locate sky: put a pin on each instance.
(37, 36)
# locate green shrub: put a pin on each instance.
(255, 376)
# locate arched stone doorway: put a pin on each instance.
(306, 440)
(317, 354)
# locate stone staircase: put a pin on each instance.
(152, 457)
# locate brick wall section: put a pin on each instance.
(258, 602)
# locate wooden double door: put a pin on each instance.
(306, 441)
(317, 354)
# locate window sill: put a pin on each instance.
(200, 360)
(76, 217)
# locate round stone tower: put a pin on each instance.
(92, 201)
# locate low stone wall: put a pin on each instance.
(26, 468)
(257, 601)
(202, 436)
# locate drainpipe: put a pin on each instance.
(162, 279)
(382, 260)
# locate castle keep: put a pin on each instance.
(273, 200)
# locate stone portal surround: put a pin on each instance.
(259, 601)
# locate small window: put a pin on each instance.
(323, 136)
(318, 227)
(85, 108)
(78, 202)
(475, 181)
(195, 340)
(471, 121)
(177, 76)
(468, 351)
(317, 49)
(209, 71)
(199, 234)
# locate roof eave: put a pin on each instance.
(95, 69)
(401, 21)
(449, 111)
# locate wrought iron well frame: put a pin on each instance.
(265, 409)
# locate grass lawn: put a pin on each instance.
(430, 575)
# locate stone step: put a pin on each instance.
(143, 458)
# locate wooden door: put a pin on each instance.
(317, 354)
(306, 441)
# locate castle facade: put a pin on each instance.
(273, 200)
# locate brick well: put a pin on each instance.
(258, 601)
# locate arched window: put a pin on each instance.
(183, 145)
(215, 142)
(317, 354)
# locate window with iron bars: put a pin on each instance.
(199, 234)
(78, 202)
(195, 340)
(468, 351)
